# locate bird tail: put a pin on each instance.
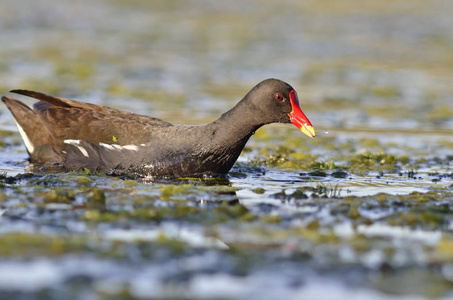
(35, 135)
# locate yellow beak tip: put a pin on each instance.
(309, 131)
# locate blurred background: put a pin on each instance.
(354, 64)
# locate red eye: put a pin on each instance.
(278, 97)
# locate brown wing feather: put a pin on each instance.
(54, 120)
(66, 103)
(92, 126)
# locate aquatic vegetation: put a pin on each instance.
(59, 195)
(381, 162)
(259, 190)
(23, 245)
(84, 180)
(327, 190)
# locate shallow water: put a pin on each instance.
(363, 211)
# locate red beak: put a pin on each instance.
(298, 118)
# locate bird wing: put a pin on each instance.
(66, 103)
(70, 119)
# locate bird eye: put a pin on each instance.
(278, 97)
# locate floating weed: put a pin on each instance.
(298, 194)
(418, 219)
(259, 190)
(87, 171)
(422, 197)
(96, 199)
(275, 157)
(240, 170)
(322, 169)
(271, 219)
(318, 173)
(32, 245)
(176, 246)
(323, 165)
(59, 195)
(312, 233)
(283, 158)
(380, 161)
(326, 189)
(206, 181)
(130, 182)
(98, 216)
(299, 161)
(339, 174)
(190, 191)
(84, 180)
(174, 210)
(225, 212)
(47, 180)
(169, 191)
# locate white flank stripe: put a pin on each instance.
(118, 147)
(83, 150)
(106, 146)
(71, 142)
(27, 141)
(130, 147)
(75, 143)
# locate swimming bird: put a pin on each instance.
(78, 135)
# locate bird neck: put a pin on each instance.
(237, 124)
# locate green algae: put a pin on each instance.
(96, 199)
(303, 229)
(130, 182)
(175, 246)
(259, 190)
(300, 193)
(176, 210)
(84, 180)
(59, 195)
(225, 212)
(283, 158)
(25, 245)
(184, 190)
(345, 161)
(373, 161)
(166, 192)
(271, 219)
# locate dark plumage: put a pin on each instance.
(79, 135)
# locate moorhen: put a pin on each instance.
(77, 135)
